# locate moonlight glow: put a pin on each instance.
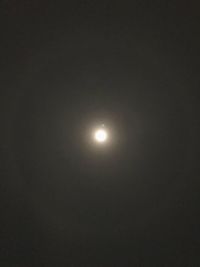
(100, 135)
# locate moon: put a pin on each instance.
(100, 135)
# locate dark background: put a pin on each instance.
(64, 67)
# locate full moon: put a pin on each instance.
(100, 135)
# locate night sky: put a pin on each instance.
(66, 67)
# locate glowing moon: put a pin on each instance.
(100, 135)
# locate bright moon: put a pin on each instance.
(100, 135)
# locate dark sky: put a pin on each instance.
(65, 67)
